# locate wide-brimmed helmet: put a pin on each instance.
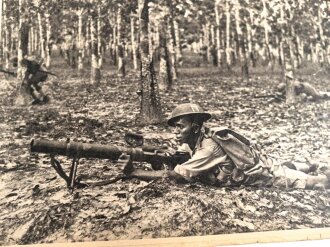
(188, 109)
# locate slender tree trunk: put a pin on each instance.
(150, 109)
(228, 46)
(95, 69)
(241, 45)
(171, 46)
(165, 75)
(80, 41)
(30, 48)
(133, 43)
(172, 41)
(48, 35)
(178, 50)
(23, 36)
(88, 42)
(281, 42)
(290, 85)
(6, 37)
(206, 41)
(41, 35)
(120, 46)
(217, 33)
(34, 39)
(99, 37)
(322, 45)
(23, 40)
(1, 30)
(114, 43)
(250, 43)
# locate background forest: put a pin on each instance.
(122, 66)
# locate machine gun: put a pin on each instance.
(75, 150)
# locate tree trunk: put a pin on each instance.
(99, 37)
(41, 36)
(120, 45)
(115, 43)
(322, 45)
(217, 34)
(228, 47)
(23, 40)
(206, 41)
(95, 69)
(133, 43)
(48, 44)
(290, 85)
(80, 41)
(6, 37)
(1, 31)
(165, 75)
(150, 108)
(178, 50)
(30, 48)
(88, 41)
(241, 45)
(250, 43)
(172, 41)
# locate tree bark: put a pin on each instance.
(1, 30)
(267, 56)
(290, 85)
(120, 45)
(165, 75)
(250, 43)
(217, 33)
(99, 37)
(80, 41)
(133, 43)
(41, 36)
(48, 35)
(150, 108)
(95, 69)
(23, 96)
(178, 50)
(241, 45)
(172, 41)
(228, 47)
(6, 37)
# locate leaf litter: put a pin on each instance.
(36, 207)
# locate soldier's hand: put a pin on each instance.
(125, 163)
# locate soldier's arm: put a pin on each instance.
(131, 172)
(153, 175)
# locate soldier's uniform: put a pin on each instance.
(224, 157)
(32, 77)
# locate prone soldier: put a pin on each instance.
(223, 158)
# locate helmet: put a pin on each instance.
(188, 109)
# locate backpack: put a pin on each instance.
(240, 150)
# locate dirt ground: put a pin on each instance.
(36, 206)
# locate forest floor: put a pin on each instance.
(36, 206)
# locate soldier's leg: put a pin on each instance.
(287, 177)
(40, 77)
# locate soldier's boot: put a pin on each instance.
(39, 97)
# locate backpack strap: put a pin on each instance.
(224, 132)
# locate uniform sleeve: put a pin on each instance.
(208, 156)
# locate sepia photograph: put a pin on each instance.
(164, 122)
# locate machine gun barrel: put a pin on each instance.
(86, 150)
